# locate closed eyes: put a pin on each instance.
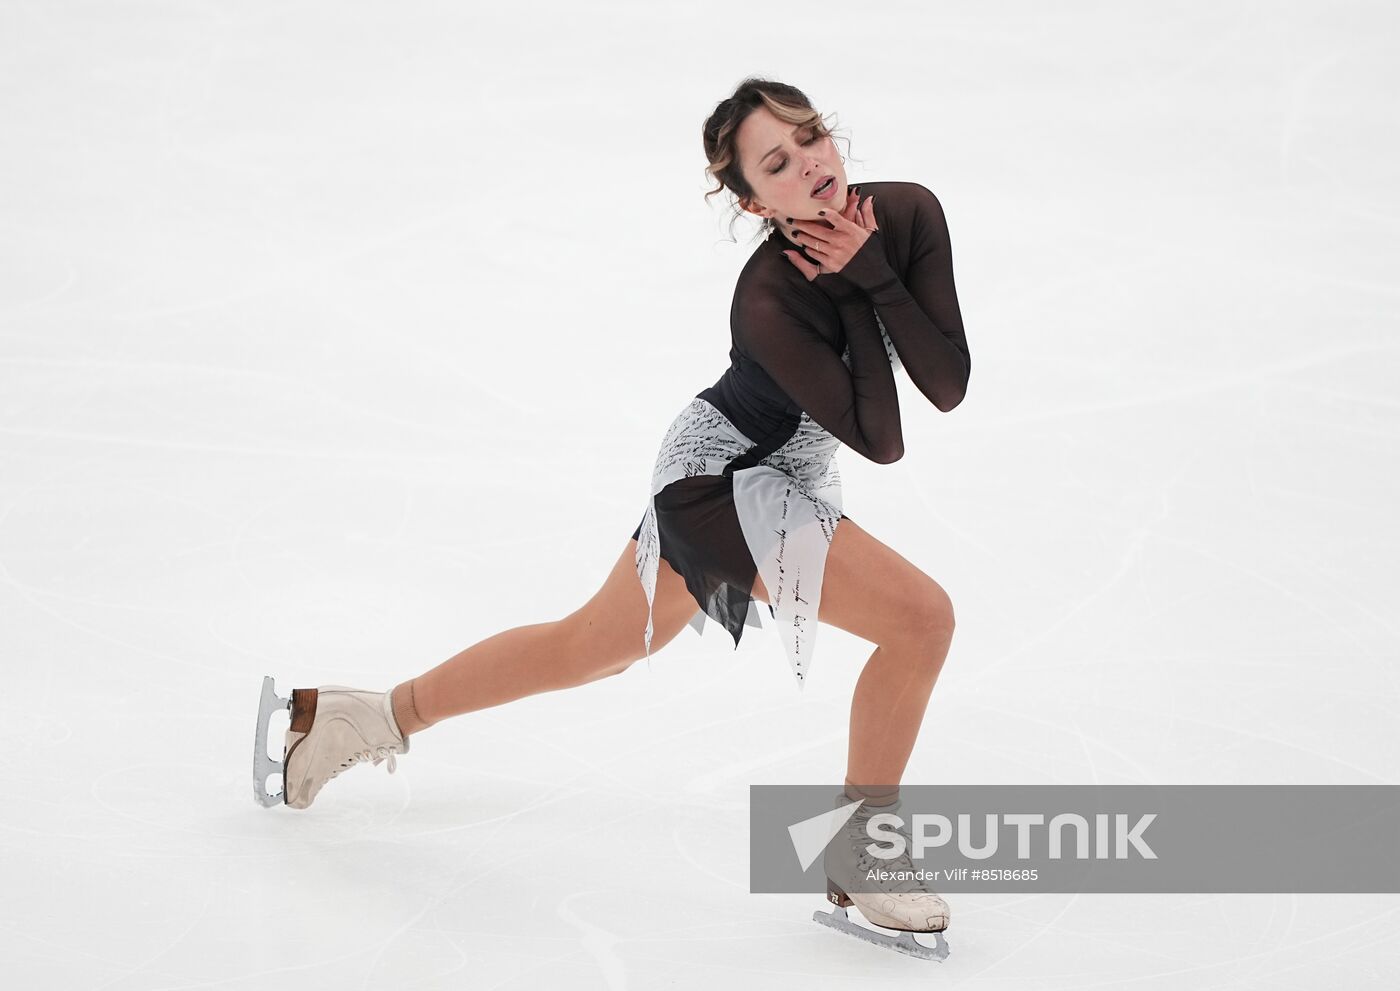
(815, 136)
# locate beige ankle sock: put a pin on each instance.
(405, 712)
(873, 796)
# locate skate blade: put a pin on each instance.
(903, 943)
(263, 765)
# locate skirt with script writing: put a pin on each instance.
(719, 518)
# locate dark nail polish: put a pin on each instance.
(821, 213)
(789, 220)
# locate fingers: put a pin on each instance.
(819, 231)
(828, 238)
(838, 220)
(812, 231)
(852, 208)
(868, 214)
(855, 216)
(865, 215)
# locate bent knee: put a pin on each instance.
(928, 613)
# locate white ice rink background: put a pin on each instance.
(335, 337)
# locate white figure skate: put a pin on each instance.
(333, 728)
(907, 906)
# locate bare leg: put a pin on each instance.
(603, 637)
(509, 665)
(887, 711)
(873, 592)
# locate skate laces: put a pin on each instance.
(375, 754)
(378, 753)
(866, 861)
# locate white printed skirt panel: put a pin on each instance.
(718, 525)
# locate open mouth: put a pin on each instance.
(825, 187)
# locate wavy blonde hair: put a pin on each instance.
(787, 103)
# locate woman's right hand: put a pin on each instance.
(851, 211)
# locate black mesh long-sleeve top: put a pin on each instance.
(788, 333)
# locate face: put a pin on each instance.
(783, 164)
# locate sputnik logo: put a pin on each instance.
(810, 836)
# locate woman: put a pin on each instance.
(746, 501)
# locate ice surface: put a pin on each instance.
(309, 366)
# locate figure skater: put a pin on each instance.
(850, 285)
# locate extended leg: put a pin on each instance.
(601, 638)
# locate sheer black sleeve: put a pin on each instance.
(791, 329)
(795, 329)
(920, 312)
